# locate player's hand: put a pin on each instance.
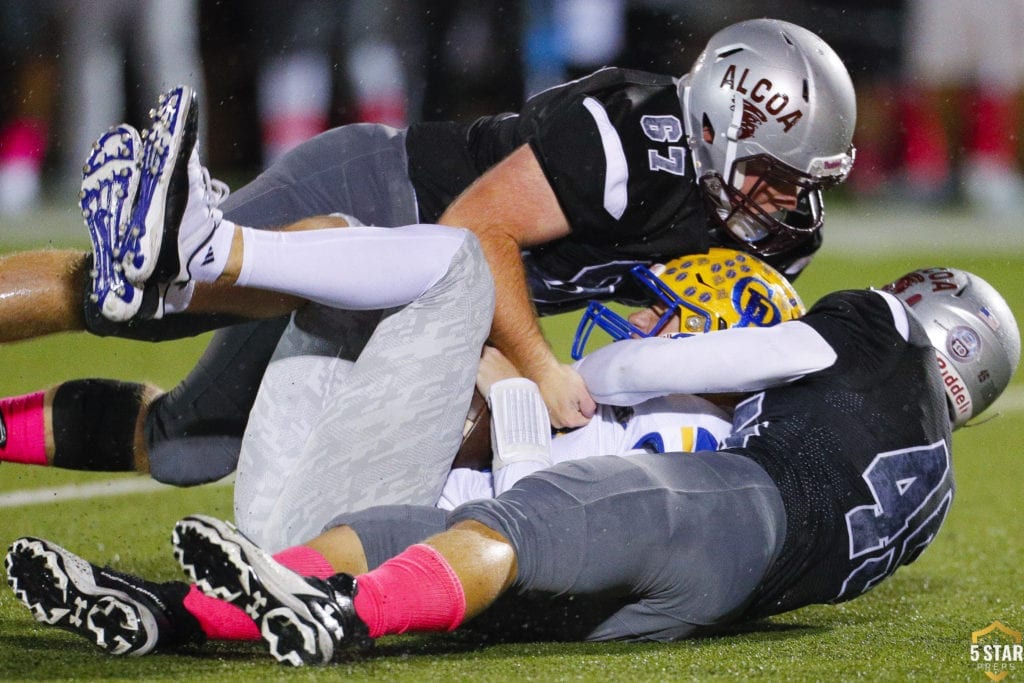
(494, 367)
(566, 396)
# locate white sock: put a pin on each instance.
(209, 261)
(356, 268)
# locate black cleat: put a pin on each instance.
(303, 620)
(120, 613)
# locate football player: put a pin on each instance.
(690, 295)
(838, 472)
(587, 180)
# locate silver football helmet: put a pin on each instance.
(768, 104)
(973, 331)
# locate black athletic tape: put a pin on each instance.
(94, 425)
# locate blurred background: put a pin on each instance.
(938, 81)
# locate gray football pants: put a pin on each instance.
(649, 547)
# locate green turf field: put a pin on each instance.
(917, 625)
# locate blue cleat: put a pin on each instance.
(163, 188)
(109, 184)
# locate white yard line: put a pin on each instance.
(98, 489)
(1011, 402)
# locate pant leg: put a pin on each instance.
(387, 530)
(194, 432)
(386, 432)
(359, 170)
(651, 545)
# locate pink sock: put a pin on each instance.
(304, 560)
(414, 591)
(22, 432)
(223, 621)
(220, 620)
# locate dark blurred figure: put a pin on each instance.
(27, 78)
(868, 36)
(313, 53)
(471, 63)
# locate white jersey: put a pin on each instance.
(667, 424)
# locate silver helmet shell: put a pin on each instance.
(768, 98)
(973, 331)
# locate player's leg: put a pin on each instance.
(383, 430)
(697, 537)
(430, 586)
(124, 614)
(668, 541)
(358, 170)
(41, 293)
(92, 425)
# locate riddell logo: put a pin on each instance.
(997, 650)
(956, 388)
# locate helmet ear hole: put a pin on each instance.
(708, 130)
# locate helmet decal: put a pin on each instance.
(762, 94)
(956, 390)
(963, 343)
(752, 296)
(752, 119)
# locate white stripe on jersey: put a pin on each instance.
(616, 174)
(899, 313)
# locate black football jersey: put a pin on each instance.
(860, 452)
(613, 147)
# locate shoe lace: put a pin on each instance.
(216, 191)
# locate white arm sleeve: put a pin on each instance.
(358, 268)
(740, 359)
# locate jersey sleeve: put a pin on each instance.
(739, 359)
(863, 326)
(612, 147)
